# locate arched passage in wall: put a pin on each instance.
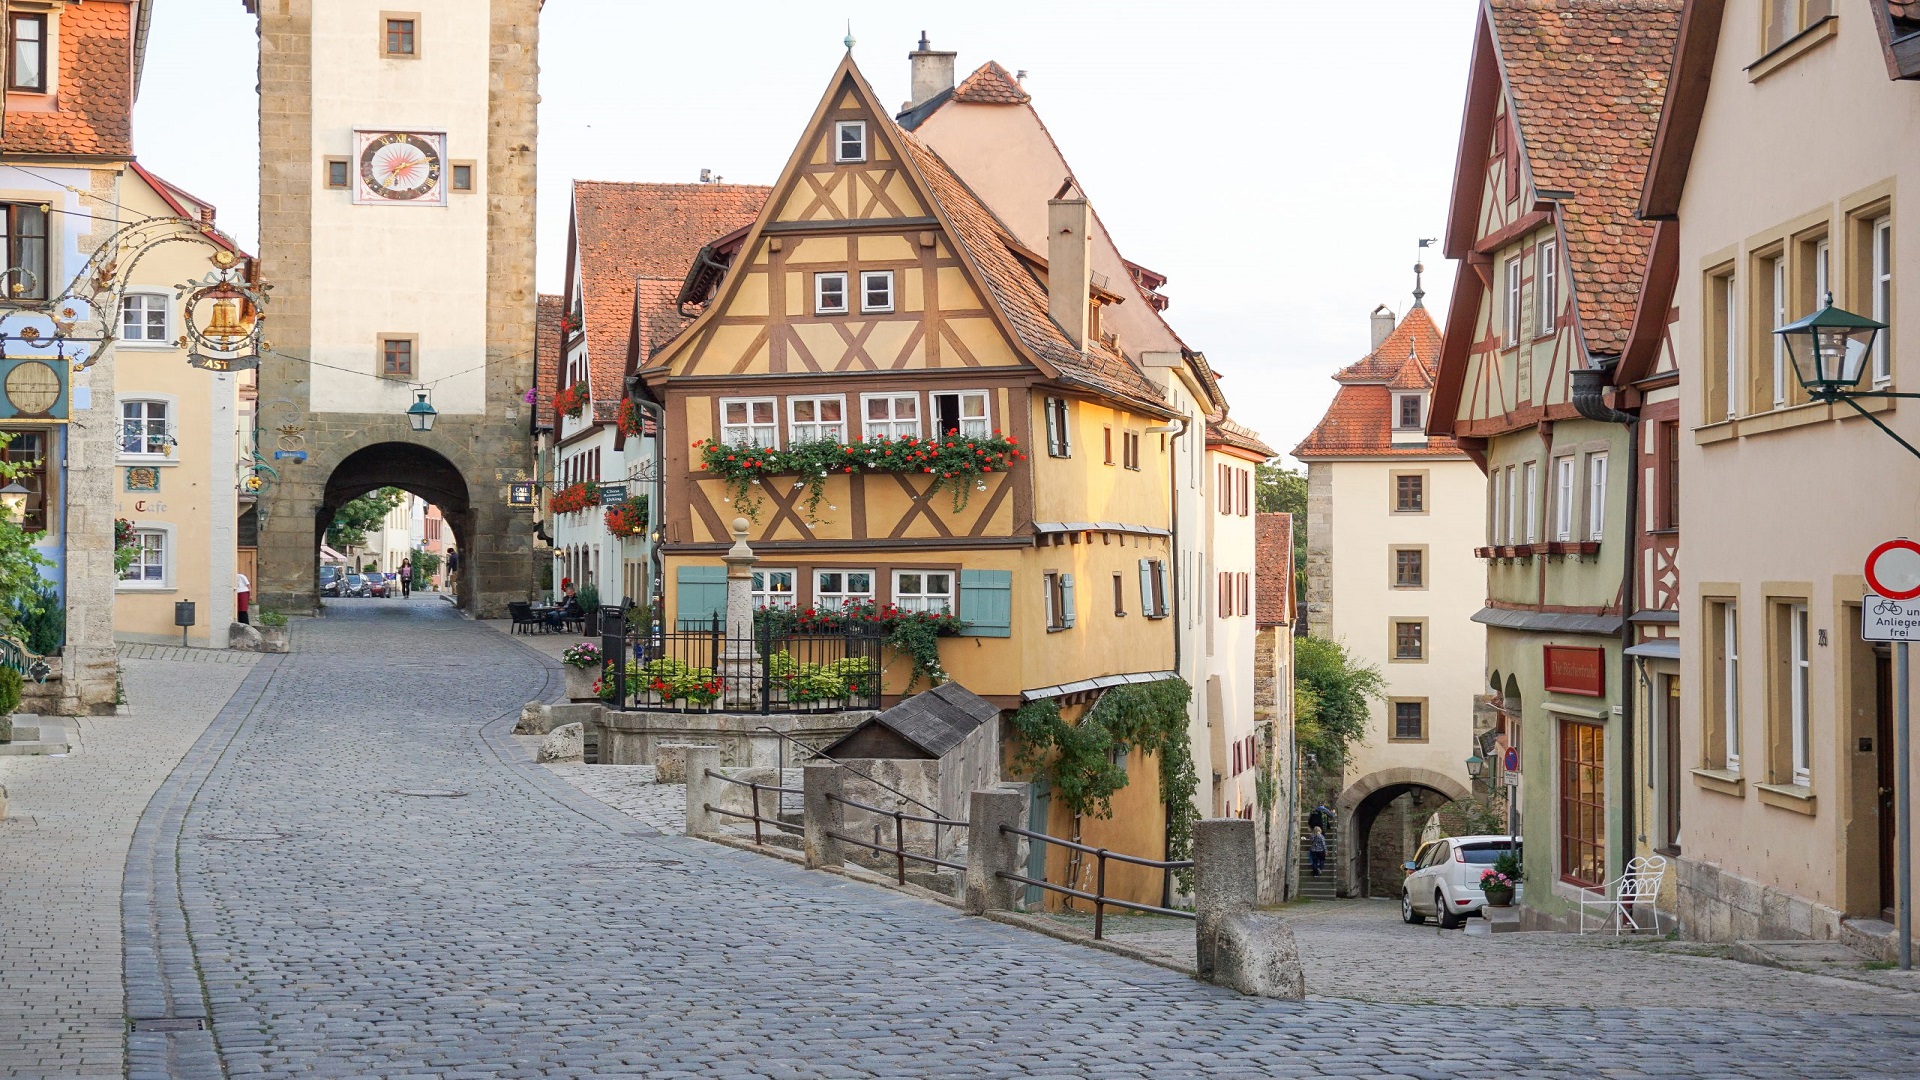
(1359, 808)
(409, 467)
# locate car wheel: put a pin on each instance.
(1407, 914)
(1448, 920)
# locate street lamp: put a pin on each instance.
(421, 414)
(14, 498)
(1476, 767)
(1830, 349)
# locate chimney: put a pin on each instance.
(1382, 325)
(1069, 267)
(932, 73)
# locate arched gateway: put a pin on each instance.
(397, 231)
(1359, 808)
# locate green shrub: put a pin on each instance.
(40, 619)
(272, 618)
(11, 686)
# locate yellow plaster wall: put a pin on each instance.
(1083, 487)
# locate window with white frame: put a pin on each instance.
(891, 416)
(143, 319)
(1513, 505)
(830, 293)
(1511, 328)
(1881, 288)
(962, 412)
(1777, 275)
(835, 589)
(774, 588)
(1729, 679)
(149, 566)
(1406, 412)
(1059, 438)
(1496, 517)
(817, 419)
(876, 290)
(1563, 498)
(144, 428)
(850, 141)
(923, 590)
(1546, 274)
(749, 422)
(1530, 477)
(1596, 495)
(1800, 693)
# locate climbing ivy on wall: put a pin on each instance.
(1080, 761)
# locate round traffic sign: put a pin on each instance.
(1893, 569)
(1512, 762)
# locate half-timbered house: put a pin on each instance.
(877, 309)
(1542, 220)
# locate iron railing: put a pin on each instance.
(766, 672)
(755, 816)
(29, 664)
(1098, 897)
(899, 849)
(814, 754)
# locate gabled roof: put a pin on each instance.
(189, 206)
(93, 113)
(934, 721)
(1273, 569)
(546, 357)
(991, 85)
(1226, 434)
(627, 231)
(1359, 423)
(1586, 79)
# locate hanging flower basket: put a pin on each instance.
(630, 422)
(572, 400)
(955, 462)
(574, 498)
(628, 518)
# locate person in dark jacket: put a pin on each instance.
(1318, 852)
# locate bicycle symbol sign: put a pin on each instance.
(1885, 619)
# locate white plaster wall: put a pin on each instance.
(399, 268)
(1365, 530)
(1231, 640)
(588, 528)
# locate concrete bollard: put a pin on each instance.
(991, 852)
(702, 790)
(821, 815)
(1235, 946)
(670, 761)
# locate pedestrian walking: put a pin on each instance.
(243, 593)
(1318, 852)
(1320, 818)
(406, 578)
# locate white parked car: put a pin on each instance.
(1443, 880)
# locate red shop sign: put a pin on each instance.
(1576, 670)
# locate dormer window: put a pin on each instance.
(850, 144)
(27, 57)
(1408, 412)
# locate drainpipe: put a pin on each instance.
(1589, 400)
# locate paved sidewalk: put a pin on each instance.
(198, 656)
(62, 855)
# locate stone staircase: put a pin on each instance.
(1326, 886)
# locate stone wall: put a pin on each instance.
(1276, 850)
(1714, 905)
(629, 738)
(1318, 586)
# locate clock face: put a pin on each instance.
(33, 388)
(401, 167)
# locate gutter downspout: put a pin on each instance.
(1589, 400)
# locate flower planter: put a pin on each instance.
(1499, 897)
(580, 682)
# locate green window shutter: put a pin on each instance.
(1146, 588)
(703, 596)
(986, 602)
(1066, 600)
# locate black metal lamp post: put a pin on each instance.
(1829, 350)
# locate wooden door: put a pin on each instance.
(1670, 833)
(1884, 773)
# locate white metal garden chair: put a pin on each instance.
(1617, 900)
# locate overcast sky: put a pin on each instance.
(1277, 160)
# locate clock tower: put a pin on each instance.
(397, 228)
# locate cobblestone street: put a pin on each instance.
(379, 883)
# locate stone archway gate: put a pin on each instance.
(1362, 802)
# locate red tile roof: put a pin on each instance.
(94, 106)
(1359, 423)
(546, 356)
(1229, 434)
(991, 85)
(1587, 78)
(1273, 569)
(625, 232)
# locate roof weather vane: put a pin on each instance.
(848, 40)
(1420, 267)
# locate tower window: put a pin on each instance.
(401, 36)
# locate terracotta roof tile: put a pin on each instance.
(626, 232)
(546, 356)
(1100, 368)
(991, 85)
(94, 106)
(1587, 79)
(1273, 569)
(1222, 431)
(1359, 423)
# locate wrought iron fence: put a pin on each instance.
(900, 852)
(768, 671)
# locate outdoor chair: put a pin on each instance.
(524, 622)
(1617, 900)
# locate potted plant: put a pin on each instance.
(1508, 864)
(589, 597)
(274, 635)
(1498, 887)
(582, 663)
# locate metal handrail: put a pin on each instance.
(755, 816)
(818, 753)
(899, 849)
(1098, 897)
